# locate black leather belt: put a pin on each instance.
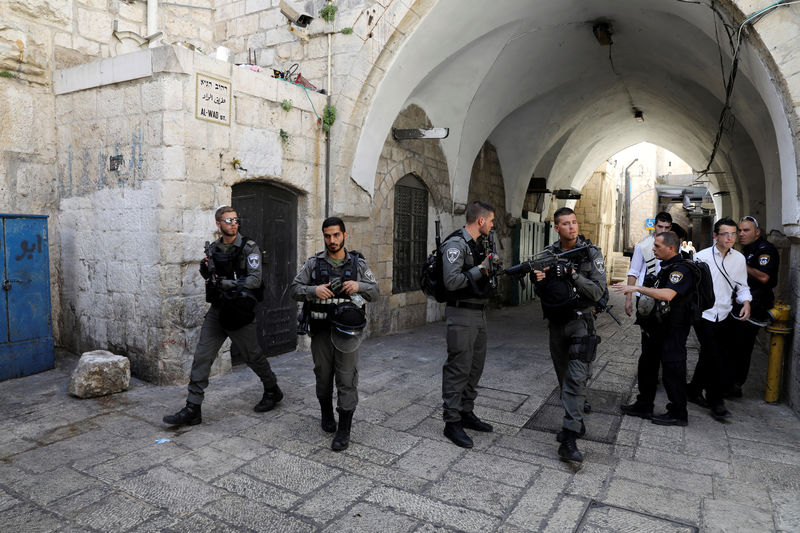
(467, 305)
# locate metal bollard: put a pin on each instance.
(779, 328)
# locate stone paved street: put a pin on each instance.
(94, 465)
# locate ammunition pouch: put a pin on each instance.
(584, 348)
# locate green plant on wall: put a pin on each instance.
(328, 12)
(328, 117)
(285, 137)
(6, 74)
(286, 105)
(347, 31)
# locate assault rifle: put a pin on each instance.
(550, 259)
(547, 259)
(211, 268)
(493, 263)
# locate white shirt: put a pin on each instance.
(644, 249)
(734, 267)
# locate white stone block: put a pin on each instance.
(259, 151)
(45, 11)
(100, 373)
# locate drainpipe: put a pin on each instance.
(328, 141)
(627, 222)
(152, 19)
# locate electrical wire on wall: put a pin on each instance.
(726, 119)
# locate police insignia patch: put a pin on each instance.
(600, 265)
(452, 254)
(763, 259)
(253, 260)
(369, 276)
(675, 277)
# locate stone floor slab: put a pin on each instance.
(290, 472)
(174, 491)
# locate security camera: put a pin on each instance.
(295, 14)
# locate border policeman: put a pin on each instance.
(665, 315)
(333, 283)
(232, 270)
(465, 269)
(569, 293)
(762, 261)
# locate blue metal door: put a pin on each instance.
(26, 341)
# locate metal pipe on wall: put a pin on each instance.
(152, 19)
(328, 140)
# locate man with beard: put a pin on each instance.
(334, 284)
(465, 270)
(762, 276)
(569, 292)
(232, 270)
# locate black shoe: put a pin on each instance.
(188, 416)
(734, 392)
(696, 397)
(327, 421)
(568, 451)
(561, 435)
(668, 419)
(719, 411)
(342, 438)
(269, 400)
(470, 421)
(455, 432)
(636, 409)
(587, 407)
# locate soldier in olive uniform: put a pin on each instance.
(333, 283)
(569, 292)
(465, 269)
(232, 270)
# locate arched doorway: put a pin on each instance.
(269, 217)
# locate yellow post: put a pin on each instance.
(780, 326)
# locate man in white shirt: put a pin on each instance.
(715, 329)
(644, 262)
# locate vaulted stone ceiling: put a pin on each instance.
(530, 77)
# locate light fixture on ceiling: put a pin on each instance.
(420, 133)
(602, 32)
(638, 115)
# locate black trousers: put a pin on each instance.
(714, 365)
(745, 339)
(664, 346)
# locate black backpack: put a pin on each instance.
(704, 288)
(431, 274)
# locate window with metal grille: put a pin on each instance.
(410, 233)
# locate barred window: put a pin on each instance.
(410, 233)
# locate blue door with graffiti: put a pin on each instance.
(26, 338)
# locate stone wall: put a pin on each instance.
(596, 211)
(425, 160)
(131, 238)
(486, 184)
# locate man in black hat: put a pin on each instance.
(232, 270)
(334, 285)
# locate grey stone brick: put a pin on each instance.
(540, 498)
(248, 514)
(253, 489)
(475, 493)
(207, 463)
(434, 512)
(338, 495)
(290, 472)
(173, 491)
(429, 459)
(366, 518)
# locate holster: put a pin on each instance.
(584, 348)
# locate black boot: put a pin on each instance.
(327, 421)
(188, 416)
(342, 438)
(568, 451)
(270, 399)
(470, 421)
(455, 432)
(560, 436)
(587, 407)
